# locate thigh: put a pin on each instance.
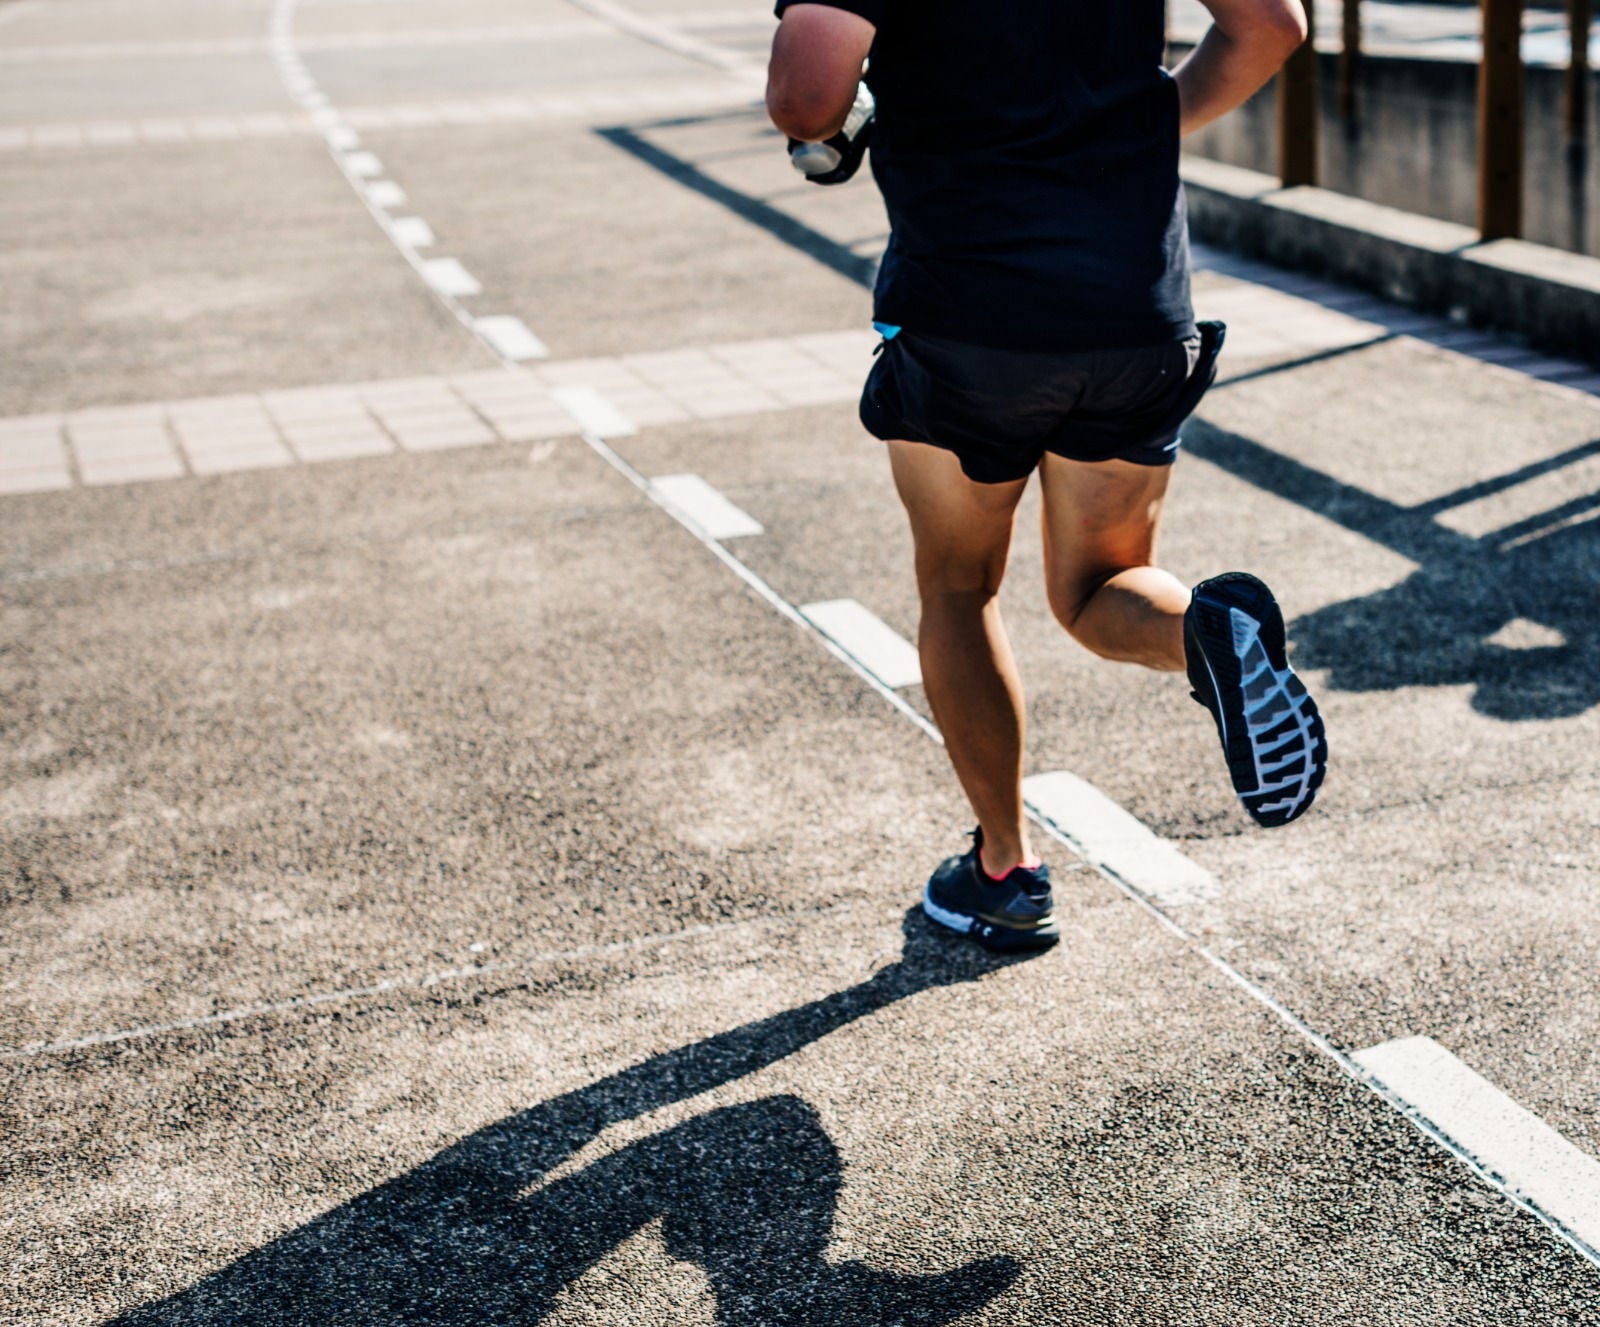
(1100, 518)
(961, 528)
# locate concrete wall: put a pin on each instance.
(1414, 145)
(1546, 295)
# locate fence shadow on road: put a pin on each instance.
(781, 225)
(475, 1236)
(1435, 628)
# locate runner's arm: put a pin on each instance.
(1246, 45)
(817, 54)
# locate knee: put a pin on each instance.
(1069, 596)
(958, 581)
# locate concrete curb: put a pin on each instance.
(1550, 297)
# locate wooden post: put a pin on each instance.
(1576, 100)
(1500, 121)
(1297, 110)
(1350, 58)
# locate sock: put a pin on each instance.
(1026, 866)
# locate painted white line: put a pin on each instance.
(422, 981)
(508, 340)
(1530, 1158)
(364, 164)
(449, 277)
(592, 412)
(886, 654)
(603, 422)
(671, 39)
(509, 336)
(385, 194)
(597, 443)
(1101, 832)
(695, 501)
(413, 232)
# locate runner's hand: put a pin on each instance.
(836, 159)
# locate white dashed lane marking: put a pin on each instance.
(449, 277)
(593, 413)
(867, 639)
(1101, 832)
(696, 502)
(446, 277)
(1531, 1159)
(1500, 1140)
(885, 660)
(1503, 1145)
(363, 164)
(386, 194)
(414, 233)
(509, 336)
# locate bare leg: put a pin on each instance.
(1100, 527)
(962, 532)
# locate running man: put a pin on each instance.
(1034, 304)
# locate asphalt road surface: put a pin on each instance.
(460, 858)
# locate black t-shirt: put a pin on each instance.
(1027, 151)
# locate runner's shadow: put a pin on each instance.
(475, 1235)
(1439, 626)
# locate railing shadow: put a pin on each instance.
(790, 230)
(474, 1236)
(1435, 627)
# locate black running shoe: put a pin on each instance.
(1013, 913)
(1270, 729)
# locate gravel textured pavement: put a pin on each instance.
(440, 887)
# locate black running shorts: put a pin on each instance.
(1000, 411)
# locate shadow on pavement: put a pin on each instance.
(1434, 628)
(776, 222)
(746, 1191)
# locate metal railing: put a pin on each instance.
(1500, 104)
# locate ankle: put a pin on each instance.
(998, 860)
